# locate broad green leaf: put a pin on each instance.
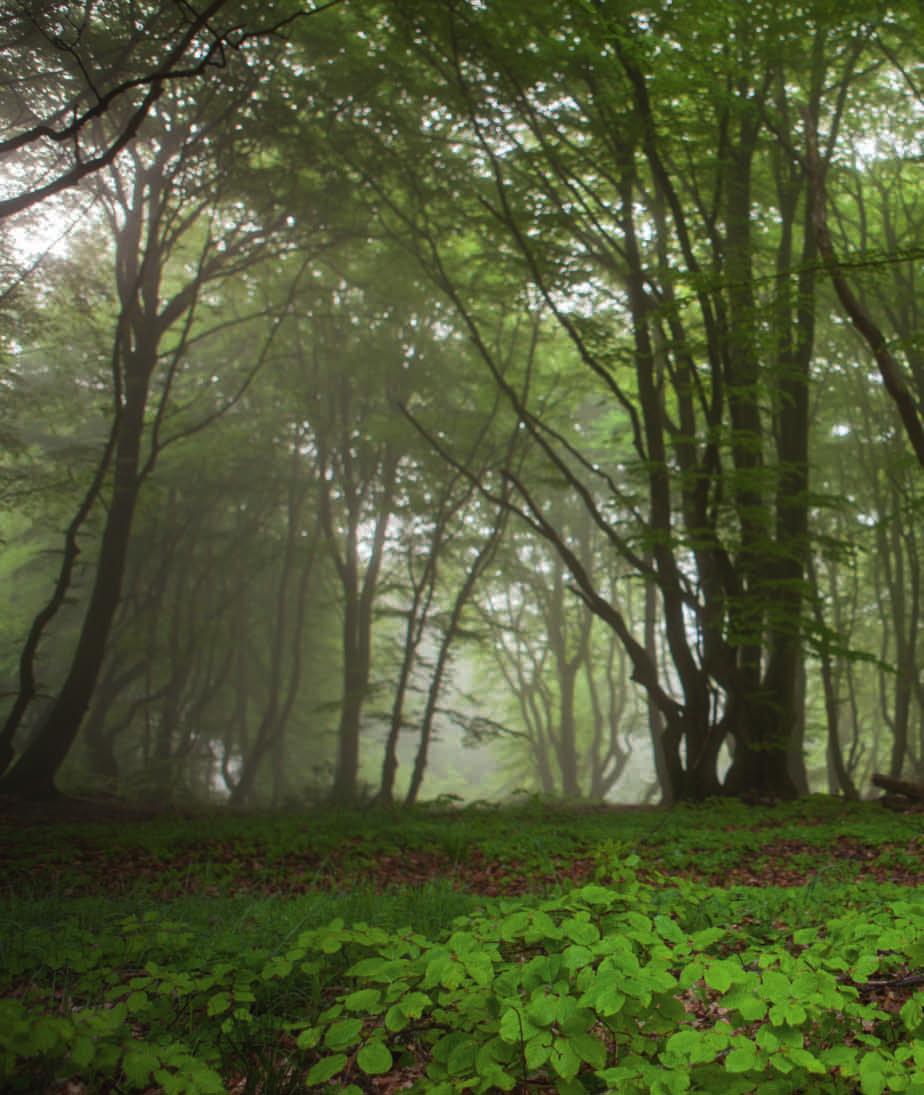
(791, 1014)
(374, 1059)
(866, 965)
(137, 1001)
(362, 1000)
(514, 1027)
(396, 1018)
(580, 930)
(514, 925)
(743, 1059)
(371, 968)
(589, 1049)
(669, 930)
(842, 1057)
(309, 1038)
(542, 1009)
(748, 1006)
(326, 1069)
(538, 1049)
(478, 966)
(912, 1013)
(564, 1059)
(775, 986)
(720, 975)
(462, 1057)
(691, 1046)
(82, 1051)
(343, 1033)
(807, 1060)
(139, 1063)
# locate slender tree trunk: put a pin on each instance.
(441, 667)
(412, 636)
(268, 730)
(33, 774)
(27, 686)
(655, 718)
(99, 737)
(567, 734)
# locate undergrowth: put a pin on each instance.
(642, 977)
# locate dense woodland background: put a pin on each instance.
(462, 397)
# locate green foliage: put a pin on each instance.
(631, 982)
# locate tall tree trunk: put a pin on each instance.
(27, 687)
(655, 718)
(441, 667)
(33, 774)
(268, 730)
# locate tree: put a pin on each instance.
(105, 68)
(574, 157)
(154, 213)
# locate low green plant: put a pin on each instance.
(639, 982)
(596, 990)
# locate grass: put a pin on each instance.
(230, 953)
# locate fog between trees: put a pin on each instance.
(461, 398)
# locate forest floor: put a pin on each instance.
(141, 951)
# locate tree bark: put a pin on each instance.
(33, 774)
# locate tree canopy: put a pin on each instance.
(547, 379)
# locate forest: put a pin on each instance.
(438, 398)
(461, 468)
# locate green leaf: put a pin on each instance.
(775, 986)
(462, 1057)
(218, 1004)
(514, 1027)
(415, 1004)
(396, 1018)
(595, 895)
(806, 1060)
(326, 1069)
(514, 925)
(767, 1040)
(912, 1013)
(573, 1019)
(748, 1006)
(669, 930)
(618, 1075)
(371, 968)
(564, 1059)
(791, 1014)
(722, 974)
(543, 1009)
(589, 1049)
(576, 957)
(343, 1033)
(374, 1059)
(137, 1001)
(864, 966)
(842, 1057)
(362, 1000)
(538, 1049)
(743, 1059)
(139, 1063)
(83, 1050)
(309, 1038)
(580, 930)
(570, 1087)
(691, 1047)
(479, 967)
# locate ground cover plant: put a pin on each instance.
(719, 948)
